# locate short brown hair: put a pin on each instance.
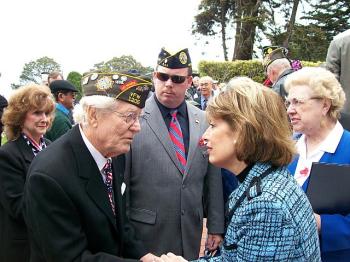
(259, 114)
(23, 100)
(53, 76)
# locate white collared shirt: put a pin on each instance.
(97, 156)
(329, 145)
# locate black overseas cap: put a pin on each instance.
(180, 59)
(62, 85)
(124, 86)
(272, 53)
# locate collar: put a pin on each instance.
(182, 108)
(204, 98)
(97, 156)
(284, 73)
(62, 108)
(241, 176)
(328, 145)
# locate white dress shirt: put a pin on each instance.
(329, 145)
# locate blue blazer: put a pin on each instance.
(335, 229)
(276, 225)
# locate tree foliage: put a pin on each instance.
(214, 18)
(122, 63)
(247, 16)
(331, 16)
(75, 79)
(32, 70)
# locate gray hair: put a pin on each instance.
(203, 78)
(96, 101)
(279, 65)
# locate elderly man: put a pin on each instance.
(167, 173)
(277, 67)
(74, 196)
(206, 91)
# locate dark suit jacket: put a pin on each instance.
(15, 158)
(166, 207)
(67, 207)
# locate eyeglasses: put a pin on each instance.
(174, 78)
(296, 102)
(204, 84)
(129, 117)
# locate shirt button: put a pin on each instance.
(182, 212)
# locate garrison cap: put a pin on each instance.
(272, 53)
(124, 86)
(180, 59)
(62, 85)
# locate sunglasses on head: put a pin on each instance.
(174, 78)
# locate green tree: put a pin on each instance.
(213, 18)
(331, 16)
(248, 17)
(32, 70)
(122, 63)
(75, 79)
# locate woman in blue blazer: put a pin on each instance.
(269, 217)
(27, 117)
(313, 104)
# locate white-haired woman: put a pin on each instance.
(313, 104)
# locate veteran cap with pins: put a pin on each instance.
(179, 59)
(124, 86)
(272, 53)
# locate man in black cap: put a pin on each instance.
(166, 172)
(64, 93)
(277, 67)
(74, 194)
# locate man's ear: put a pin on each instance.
(60, 97)
(92, 117)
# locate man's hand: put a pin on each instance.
(170, 257)
(213, 241)
(149, 258)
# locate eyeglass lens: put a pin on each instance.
(174, 78)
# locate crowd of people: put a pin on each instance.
(131, 171)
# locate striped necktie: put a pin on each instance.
(176, 137)
(107, 170)
(204, 104)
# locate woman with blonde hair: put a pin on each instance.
(29, 114)
(269, 218)
(313, 104)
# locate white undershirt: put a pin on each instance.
(329, 145)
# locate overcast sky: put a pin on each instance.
(77, 34)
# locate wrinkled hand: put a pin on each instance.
(149, 258)
(213, 241)
(170, 257)
(318, 222)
